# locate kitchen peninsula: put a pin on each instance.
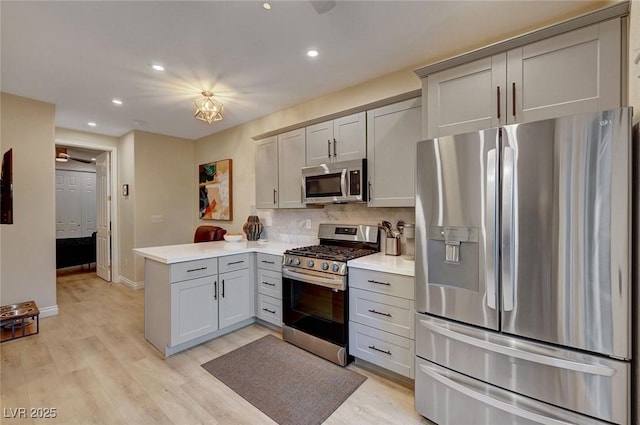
(197, 292)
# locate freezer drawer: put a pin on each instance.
(447, 397)
(592, 385)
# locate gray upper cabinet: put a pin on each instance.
(342, 139)
(392, 133)
(267, 173)
(570, 73)
(291, 159)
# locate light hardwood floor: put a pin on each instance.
(92, 365)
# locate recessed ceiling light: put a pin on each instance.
(92, 124)
(157, 67)
(117, 101)
(312, 53)
(93, 159)
(266, 5)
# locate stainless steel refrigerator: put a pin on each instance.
(524, 273)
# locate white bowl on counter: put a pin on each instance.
(233, 238)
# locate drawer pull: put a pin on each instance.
(268, 262)
(196, 270)
(380, 313)
(235, 262)
(268, 283)
(373, 347)
(379, 283)
(269, 311)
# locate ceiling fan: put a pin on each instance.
(63, 156)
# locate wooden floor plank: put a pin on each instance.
(92, 363)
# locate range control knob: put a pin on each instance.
(296, 261)
(309, 263)
(325, 266)
(335, 267)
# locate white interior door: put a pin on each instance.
(103, 216)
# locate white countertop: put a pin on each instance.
(384, 263)
(170, 254)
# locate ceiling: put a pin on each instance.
(80, 55)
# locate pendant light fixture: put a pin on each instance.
(207, 108)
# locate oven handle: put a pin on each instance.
(315, 280)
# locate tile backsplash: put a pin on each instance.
(291, 226)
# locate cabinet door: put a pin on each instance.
(267, 173)
(466, 98)
(349, 137)
(194, 309)
(568, 74)
(236, 297)
(291, 158)
(393, 131)
(319, 143)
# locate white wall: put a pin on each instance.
(126, 217)
(164, 186)
(28, 260)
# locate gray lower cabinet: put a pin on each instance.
(194, 301)
(269, 287)
(381, 325)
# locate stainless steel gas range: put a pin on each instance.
(315, 289)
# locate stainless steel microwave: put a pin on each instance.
(337, 182)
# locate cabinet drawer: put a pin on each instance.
(384, 283)
(384, 312)
(270, 283)
(386, 350)
(269, 262)
(194, 269)
(270, 309)
(229, 263)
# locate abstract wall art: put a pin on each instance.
(215, 184)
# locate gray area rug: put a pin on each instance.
(288, 384)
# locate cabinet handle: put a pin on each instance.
(215, 290)
(274, 196)
(380, 313)
(498, 97)
(235, 262)
(196, 270)
(268, 262)
(222, 288)
(373, 347)
(268, 283)
(369, 190)
(379, 283)
(269, 311)
(335, 148)
(513, 98)
(328, 148)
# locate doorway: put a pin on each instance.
(90, 166)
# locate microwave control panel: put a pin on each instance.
(354, 182)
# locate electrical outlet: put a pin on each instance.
(307, 224)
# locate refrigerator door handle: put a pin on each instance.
(520, 353)
(490, 226)
(509, 262)
(490, 401)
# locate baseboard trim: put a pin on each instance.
(131, 284)
(49, 311)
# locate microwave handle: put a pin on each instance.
(343, 182)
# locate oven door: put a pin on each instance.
(316, 309)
